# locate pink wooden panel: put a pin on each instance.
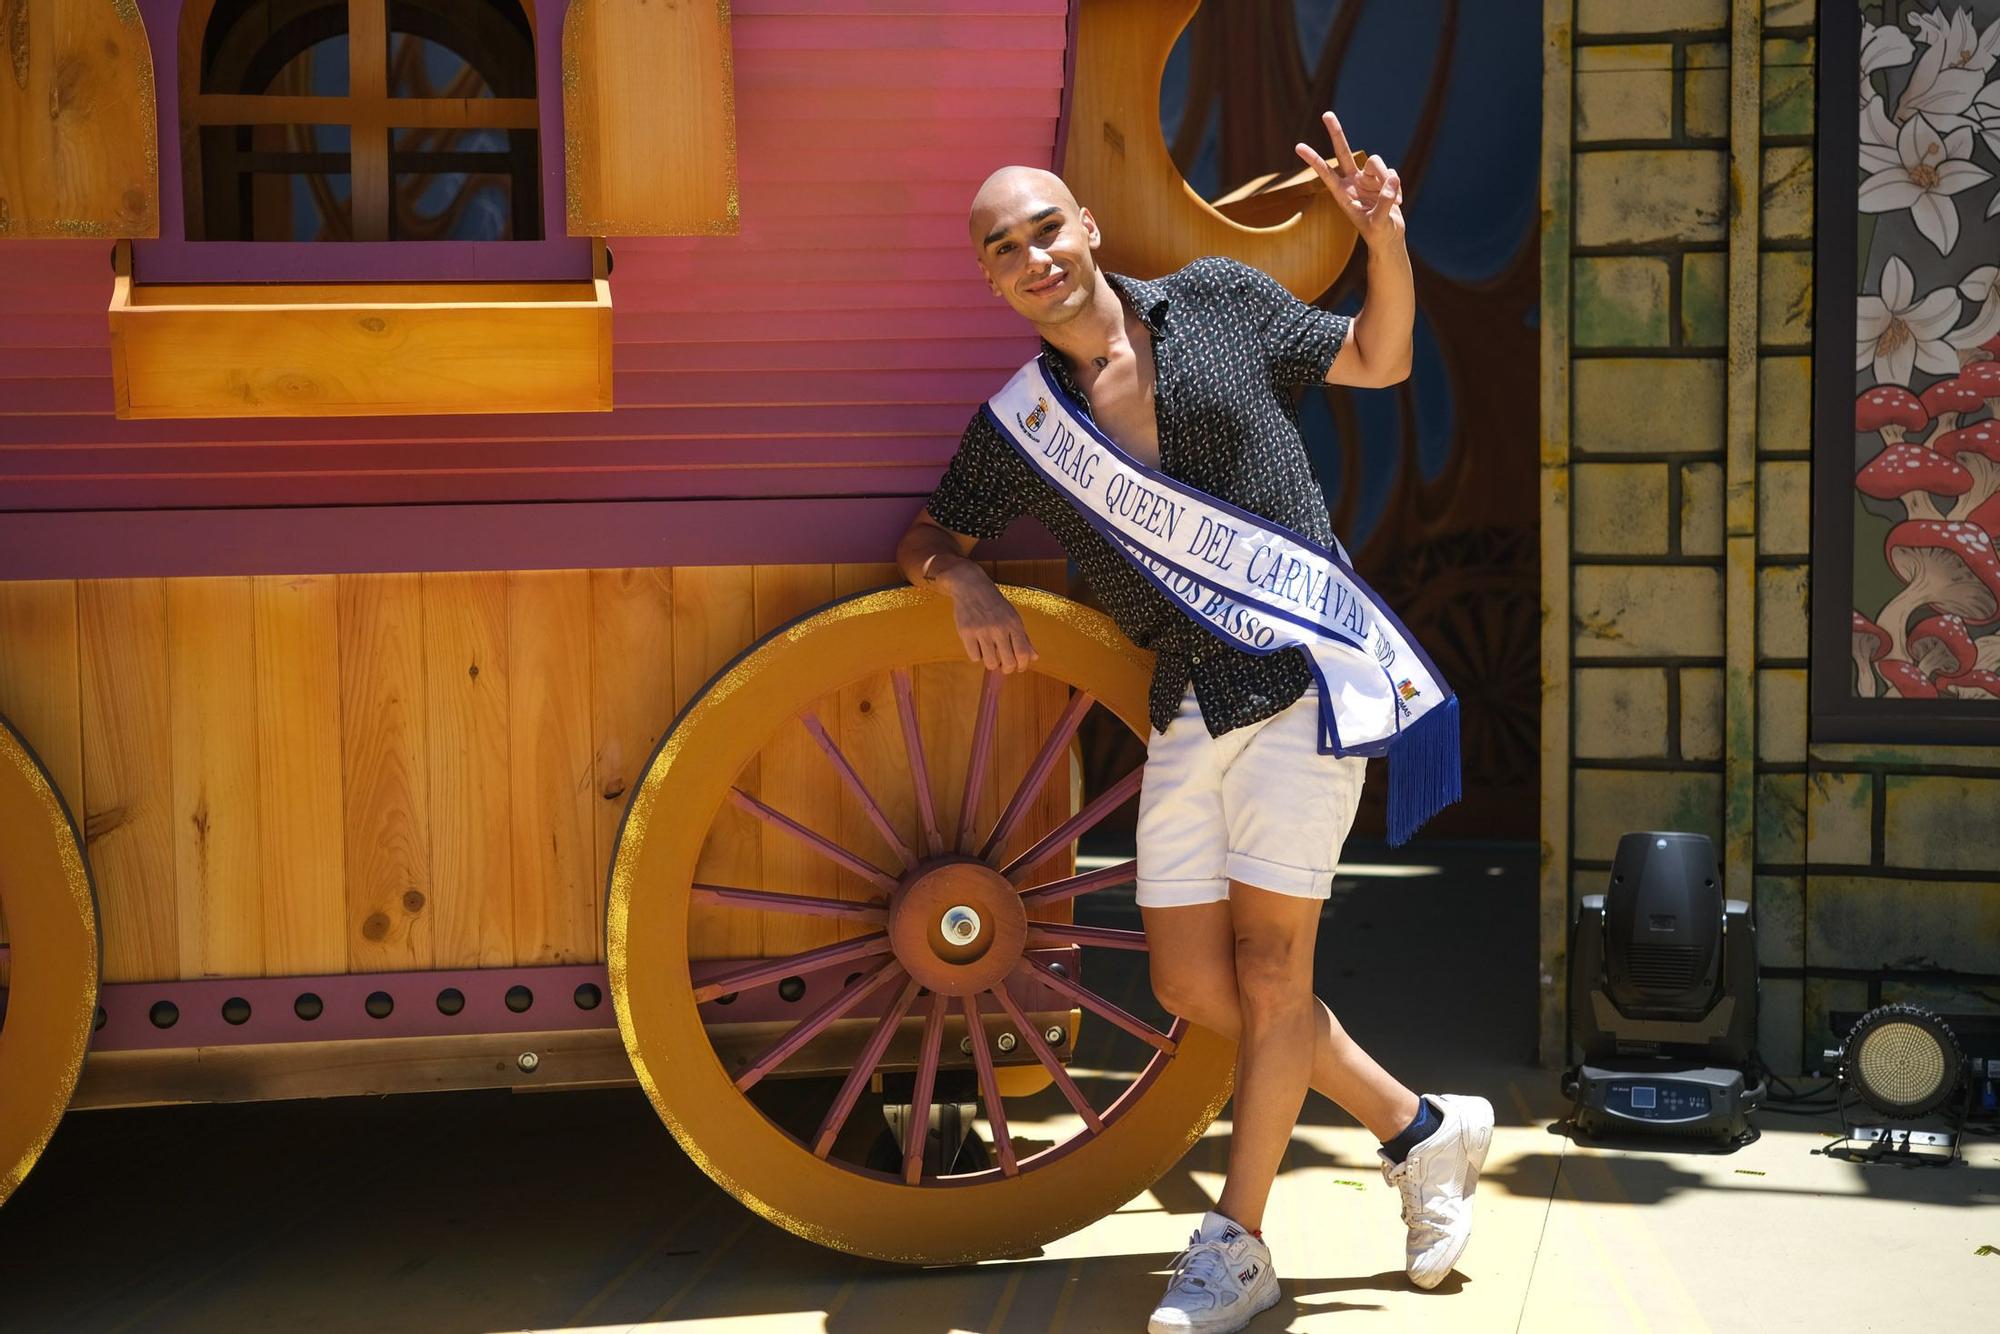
(834, 347)
(361, 539)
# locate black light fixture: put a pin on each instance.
(1904, 1063)
(1663, 997)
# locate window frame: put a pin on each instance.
(175, 29)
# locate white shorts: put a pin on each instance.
(1259, 804)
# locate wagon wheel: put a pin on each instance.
(949, 932)
(48, 964)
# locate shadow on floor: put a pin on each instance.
(480, 1211)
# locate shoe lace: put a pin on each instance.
(1203, 1262)
(1415, 1216)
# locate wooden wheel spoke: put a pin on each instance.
(1048, 934)
(920, 774)
(815, 1023)
(860, 790)
(1038, 772)
(764, 970)
(864, 1066)
(982, 755)
(1059, 891)
(1099, 1006)
(919, 1124)
(1036, 1044)
(803, 905)
(1076, 826)
(989, 1088)
(819, 843)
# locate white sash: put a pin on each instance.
(1256, 586)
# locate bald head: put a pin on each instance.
(1014, 195)
(1034, 243)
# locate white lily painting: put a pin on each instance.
(1927, 352)
(1920, 171)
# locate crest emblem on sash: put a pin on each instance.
(1032, 423)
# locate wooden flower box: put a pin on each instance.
(360, 349)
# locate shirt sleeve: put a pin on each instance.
(979, 494)
(1299, 340)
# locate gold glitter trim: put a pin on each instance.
(54, 1085)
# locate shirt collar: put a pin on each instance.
(1147, 297)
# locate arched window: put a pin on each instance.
(359, 120)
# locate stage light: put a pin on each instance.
(1903, 1061)
(1663, 997)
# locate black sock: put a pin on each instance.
(1420, 1129)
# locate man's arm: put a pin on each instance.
(1377, 350)
(933, 556)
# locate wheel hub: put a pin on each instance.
(958, 925)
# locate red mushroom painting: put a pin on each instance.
(1940, 645)
(1974, 684)
(1983, 377)
(1948, 400)
(1913, 474)
(1922, 580)
(1891, 410)
(1870, 643)
(1948, 567)
(1907, 681)
(1975, 448)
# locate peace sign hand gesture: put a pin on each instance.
(1370, 192)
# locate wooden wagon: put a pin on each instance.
(534, 746)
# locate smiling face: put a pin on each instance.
(1034, 244)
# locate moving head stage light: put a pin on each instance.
(1663, 997)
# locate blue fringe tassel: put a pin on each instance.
(1423, 771)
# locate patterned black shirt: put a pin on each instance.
(1230, 349)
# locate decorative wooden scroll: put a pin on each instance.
(649, 118)
(1117, 162)
(78, 153)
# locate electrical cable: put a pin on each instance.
(1788, 1098)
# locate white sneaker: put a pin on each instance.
(1219, 1283)
(1437, 1179)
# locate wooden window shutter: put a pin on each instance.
(79, 153)
(649, 118)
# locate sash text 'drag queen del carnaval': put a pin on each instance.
(1259, 587)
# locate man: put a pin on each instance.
(1187, 384)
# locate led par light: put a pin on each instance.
(1904, 1063)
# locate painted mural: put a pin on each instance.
(1926, 490)
(1431, 484)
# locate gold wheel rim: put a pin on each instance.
(686, 782)
(51, 919)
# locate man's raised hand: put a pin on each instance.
(1369, 192)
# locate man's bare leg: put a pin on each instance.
(1274, 962)
(1193, 956)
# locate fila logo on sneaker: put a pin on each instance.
(1247, 1275)
(1230, 1234)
